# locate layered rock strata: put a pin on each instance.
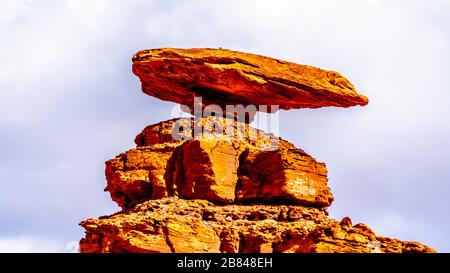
(179, 226)
(215, 184)
(244, 166)
(229, 78)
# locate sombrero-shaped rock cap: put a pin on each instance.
(225, 77)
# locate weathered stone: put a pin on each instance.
(247, 166)
(340, 237)
(283, 175)
(138, 174)
(178, 225)
(213, 184)
(225, 77)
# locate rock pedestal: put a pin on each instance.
(227, 187)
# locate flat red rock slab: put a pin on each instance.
(226, 77)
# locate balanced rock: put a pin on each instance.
(225, 77)
(215, 184)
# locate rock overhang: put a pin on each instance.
(226, 77)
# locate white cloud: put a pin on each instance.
(27, 244)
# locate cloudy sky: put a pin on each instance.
(68, 102)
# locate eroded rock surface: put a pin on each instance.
(213, 184)
(225, 77)
(245, 165)
(184, 226)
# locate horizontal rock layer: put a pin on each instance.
(235, 164)
(183, 226)
(224, 77)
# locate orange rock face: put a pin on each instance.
(215, 193)
(343, 237)
(214, 184)
(184, 226)
(225, 77)
(248, 166)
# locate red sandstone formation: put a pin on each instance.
(226, 77)
(250, 166)
(178, 225)
(232, 188)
